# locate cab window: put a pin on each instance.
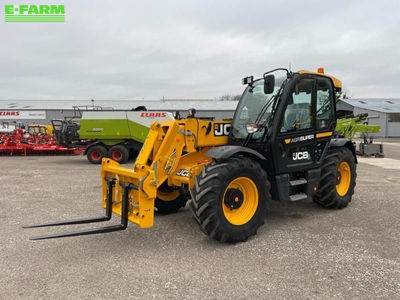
(298, 113)
(324, 107)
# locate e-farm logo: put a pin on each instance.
(34, 13)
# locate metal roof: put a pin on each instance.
(120, 104)
(386, 105)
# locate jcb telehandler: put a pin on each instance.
(279, 145)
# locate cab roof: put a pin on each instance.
(336, 82)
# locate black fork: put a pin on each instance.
(126, 187)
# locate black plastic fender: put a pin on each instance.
(343, 142)
(224, 152)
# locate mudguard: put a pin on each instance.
(343, 142)
(224, 152)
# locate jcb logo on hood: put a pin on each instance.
(153, 115)
(222, 129)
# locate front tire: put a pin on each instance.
(338, 179)
(169, 200)
(229, 199)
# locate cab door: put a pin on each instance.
(296, 133)
(325, 116)
(306, 124)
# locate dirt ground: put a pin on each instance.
(302, 251)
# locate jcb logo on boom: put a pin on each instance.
(221, 129)
(301, 155)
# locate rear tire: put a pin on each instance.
(169, 200)
(119, 153)
(338, 179)
(96, 153)
(229, 199)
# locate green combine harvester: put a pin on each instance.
(115, 134)
(350, 126)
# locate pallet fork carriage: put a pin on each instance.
(278, 146)
(110, 183)
(137, 189)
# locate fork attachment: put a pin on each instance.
(126, 187)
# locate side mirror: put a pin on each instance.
(269, 84)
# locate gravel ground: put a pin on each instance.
(302, 251)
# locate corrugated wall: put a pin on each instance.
(374, 118)
(61, 114)
(393, 129)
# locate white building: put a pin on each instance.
(43, 111)
(382, 112)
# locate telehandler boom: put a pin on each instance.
(278, 146)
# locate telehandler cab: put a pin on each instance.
(279, 145)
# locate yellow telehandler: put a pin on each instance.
(280, 145)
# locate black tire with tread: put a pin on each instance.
(172, 206)
(327, 195)
(124, 151)
(99, 148)
(207, 198)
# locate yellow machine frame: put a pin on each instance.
(172, 162)
(173, 146)
(174, 152)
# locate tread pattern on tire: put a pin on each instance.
(207, 195)
(327, 196)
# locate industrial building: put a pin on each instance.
(381, 111)
(43, 111)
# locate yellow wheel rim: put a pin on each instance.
(167, 196)
(343, 178)
(249, 202)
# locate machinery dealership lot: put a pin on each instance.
(199, 150)
(302, 251)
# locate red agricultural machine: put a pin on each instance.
(37, 140)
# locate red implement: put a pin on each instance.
(20, 143)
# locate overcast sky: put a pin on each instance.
(197, 49)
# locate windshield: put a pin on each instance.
(250, 106)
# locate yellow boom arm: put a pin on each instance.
(173, 153)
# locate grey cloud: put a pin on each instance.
(197, 49)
